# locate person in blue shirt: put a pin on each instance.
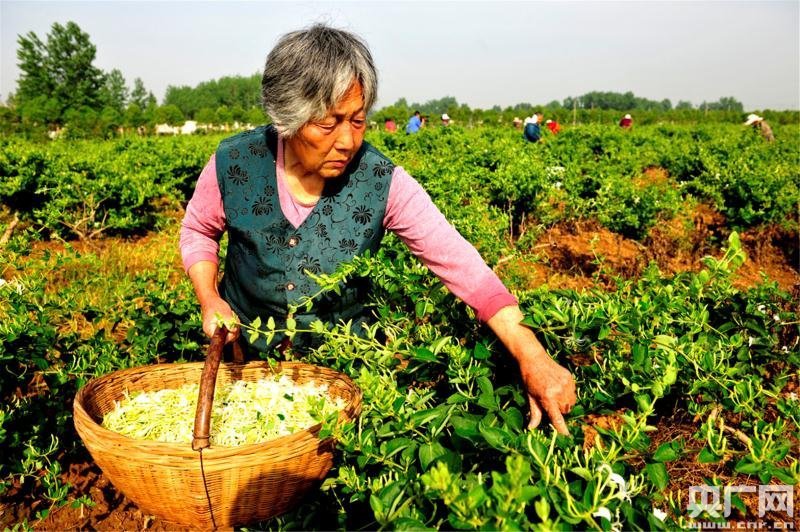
(414, 123)
(533, 129)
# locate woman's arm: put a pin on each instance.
(421, 226)
(201, 229)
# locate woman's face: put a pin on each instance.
(325, 147)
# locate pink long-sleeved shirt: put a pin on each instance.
(410, 214)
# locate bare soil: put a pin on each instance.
(583, 254)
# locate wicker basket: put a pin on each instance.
(236, 485)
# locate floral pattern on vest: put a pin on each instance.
(267, 258)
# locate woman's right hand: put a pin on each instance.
(216, 312)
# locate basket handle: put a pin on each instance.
(208, 379)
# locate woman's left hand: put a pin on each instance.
(550, 386)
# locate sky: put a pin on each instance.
(481, 53)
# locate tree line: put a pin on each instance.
(60, 89)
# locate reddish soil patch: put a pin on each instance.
(588, 248)
(773, 252)
(110, 510)
(581, 254)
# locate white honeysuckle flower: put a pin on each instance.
(620, 482)
(750, 341)
(791, 396)
(602, 512)
(660, 514)
(776, 317)
(760, 308)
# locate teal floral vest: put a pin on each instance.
(267, 257)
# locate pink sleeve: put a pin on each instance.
(412, 215)
(204, 221)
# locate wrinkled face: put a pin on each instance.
(325, 147)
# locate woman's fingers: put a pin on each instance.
(536, 412)
(553, 412)
(556, 419)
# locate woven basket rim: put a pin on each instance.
(182, 450)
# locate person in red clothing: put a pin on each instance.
(390, 125)
(553, 126)
(626, 122)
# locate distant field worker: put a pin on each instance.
(517, 122)
(626, 122)
(390, 125)
(414, 123)
(445, 119)
(553, 126)
(533, 130)
(306, 194)
(758, 123)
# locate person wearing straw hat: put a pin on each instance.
(307, 194)
(445, 119)
(626, 122)
(758, 123)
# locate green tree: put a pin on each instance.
(169, 114)
(255, 116)
(134, 116)
(223, 115)
(727, 103)
(109, 120)
(62, 69)
(238, 113)
(139, 94)
(115, 91)
(81, 122)
(205, 116)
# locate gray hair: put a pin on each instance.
(309, 71)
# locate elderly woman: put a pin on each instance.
(307, 194)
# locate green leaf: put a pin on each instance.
(746, 466)
(665, 342)
(657, 473)
(481, 352)
(392, 447)
(706, 456)
(542, 508)
(424, 354)
(428, 452)
(783, 474)
(666, 452)
(497, 438)
(739, 503)
(376, 504)
(643, 401)
(464, 427)
(582, 472)
(271, 323)
(513, 418)
(407, 523)
(256, 323)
